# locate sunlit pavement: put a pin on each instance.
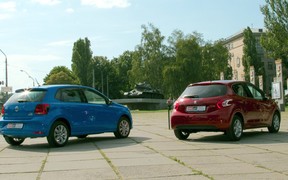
(151, 152)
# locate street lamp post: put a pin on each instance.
(6, 69)
(29, 76)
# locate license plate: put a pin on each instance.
(195, 108)
(15, 125)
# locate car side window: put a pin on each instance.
(94, 98)
(239, 90)
(68, 95)
(255, 93)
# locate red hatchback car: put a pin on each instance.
(227, 106)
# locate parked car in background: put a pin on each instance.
(227, 106)
(60, 111)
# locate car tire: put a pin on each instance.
(123, 128)
(14, 141)
(235, 130)
(58, 135)
(181, 135)
(275, 125)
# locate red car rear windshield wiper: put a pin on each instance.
(191, 96)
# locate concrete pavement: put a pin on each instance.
(151, 152)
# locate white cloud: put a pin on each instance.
(8, 6)
(5, 16)
(69, 10)
(47, 2)
(106, 3)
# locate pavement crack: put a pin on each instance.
(114, 168)
(195, 171)
(42, 166)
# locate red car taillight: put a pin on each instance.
(224, 103)
(2, 110)
(179, 107)
(42, 109)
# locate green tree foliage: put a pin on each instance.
(60, 75)
(275, 40)
(192, 60)
(101, 68)
(149, 59)
(82, 61)
(186, 59)
(250, 55)
(136, 73)
(184, 66)
(122, 65)
(214, 61)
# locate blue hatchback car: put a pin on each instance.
(59, 112)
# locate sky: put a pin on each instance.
(37, 35)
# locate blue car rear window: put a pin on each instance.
(204, 91)
(27, 96)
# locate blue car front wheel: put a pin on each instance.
(123, 128)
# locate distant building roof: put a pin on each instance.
(240, 34)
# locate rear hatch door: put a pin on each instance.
(22, 104)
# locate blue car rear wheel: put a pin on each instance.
(14, 141)
(58, 135)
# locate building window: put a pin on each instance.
(238, 62)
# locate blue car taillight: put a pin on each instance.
(42, 109)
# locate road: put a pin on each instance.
(151, 152)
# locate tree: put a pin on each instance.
(82, 61)
(122, 65)
(149, 58)
(275, 40)
(214, 61)
(136, 73)
(101, 68)
(60, 75)
(250, 55)
(184, 65)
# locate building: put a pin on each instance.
(235, 46)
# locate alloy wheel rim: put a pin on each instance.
(237, 128)
(60, 134)
(17, 139)
(184, 133)
(276, 122)
(124, 128)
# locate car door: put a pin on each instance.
(100, 112)
(246, 104)
(258, 102)
(73, 108)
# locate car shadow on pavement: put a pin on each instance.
(89, 143)
(249, 137)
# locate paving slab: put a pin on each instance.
(151, 152)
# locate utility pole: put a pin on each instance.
(6, 69)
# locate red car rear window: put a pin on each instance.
(203, 91)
